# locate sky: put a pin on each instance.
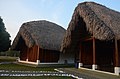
(15, 12)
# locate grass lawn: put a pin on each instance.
(43, 77)
(7, 59)
(18, 67)
(24, 68)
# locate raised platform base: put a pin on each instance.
(94, 67)
(80, 65)
(117, 70)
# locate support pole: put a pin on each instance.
(80, 64)
(116, 68)
(116, 53)
(38, 61)
(94, 66)
(27, 54)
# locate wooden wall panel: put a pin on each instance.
(87, 53)
(119, 53)
(32, 54)
(23, 51)
(48, 56)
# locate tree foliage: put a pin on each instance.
(4, 37)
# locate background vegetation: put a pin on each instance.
(10, 53)
(4, 37)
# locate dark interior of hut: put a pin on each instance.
(104, 49)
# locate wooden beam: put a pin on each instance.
(94, 53)
(88, 39)
(116, 53)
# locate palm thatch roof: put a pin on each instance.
(91, 19)
(45, 34)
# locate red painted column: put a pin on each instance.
(117, 64)
(94, 66)
(38, 61)
(80, 64)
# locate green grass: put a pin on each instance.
(23, 68)
(26, 67)
(18, 67)
(7, 59)
(43, 77)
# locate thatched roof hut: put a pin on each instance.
(45, 34)
(90, 18)
(39, 42)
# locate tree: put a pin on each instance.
(4, 37)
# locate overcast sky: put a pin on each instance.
(15, 12)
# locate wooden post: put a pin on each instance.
(80, 64)
(116, 54)
(38, 53)
(94, 66)
(27, 54)
(117, 64)
(38, 61)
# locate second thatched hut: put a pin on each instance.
(93, 37)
